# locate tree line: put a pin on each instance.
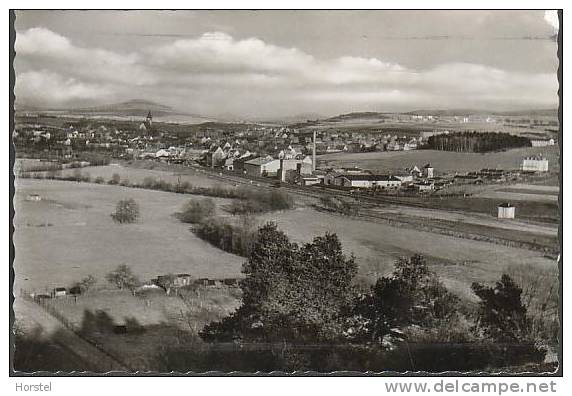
(476, 142)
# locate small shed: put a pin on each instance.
(59, 292)
(182, 280)
(506, 211)
(202, 282)
(33, 197)
(231, 282)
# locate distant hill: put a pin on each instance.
(467, 112)
(359, 115)
(135, 107)
(132, 109)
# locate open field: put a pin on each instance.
(528, 210)
(512, 195)
(442, 161)
(376, 247)
(76, 215)
(522, 192)
(70, 234)
(464, 217)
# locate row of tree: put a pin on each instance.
(476, 142)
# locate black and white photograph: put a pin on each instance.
(298, 192)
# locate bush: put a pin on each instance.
(85, 284)
(540, 296)
(115, 179)
(260, 201)
(502, 316)
(339, 205)
(195, 211)
(99, 180)
(413, 295)
(228, 237)
(127, 211)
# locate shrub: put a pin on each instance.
(226, 236)
(99, 180)
(540, 296)
(195, 211)
(502, 316)
(115, 179)
(413, 295)
(127, 211)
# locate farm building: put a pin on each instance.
(506, 211)
(33, 197)
(534, 164)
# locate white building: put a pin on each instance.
(534, 164)
(542, 142)
(368, 181)
(506, 211)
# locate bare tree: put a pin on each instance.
(123, 278)
(127, 211)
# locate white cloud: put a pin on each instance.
(51, 50)
(551, 17)
(217, 73)
(41, 87)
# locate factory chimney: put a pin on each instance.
(314, 152)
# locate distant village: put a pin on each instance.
(287, 154)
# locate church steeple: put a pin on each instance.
(149, 119)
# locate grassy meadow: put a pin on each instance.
(70, 234)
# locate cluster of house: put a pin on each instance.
(175, 281)
(422, 179)
(182, 280)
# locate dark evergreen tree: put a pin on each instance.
(502, 315)
(413, 295)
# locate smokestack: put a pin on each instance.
(314, 153)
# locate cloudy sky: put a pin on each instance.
(285, 63)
